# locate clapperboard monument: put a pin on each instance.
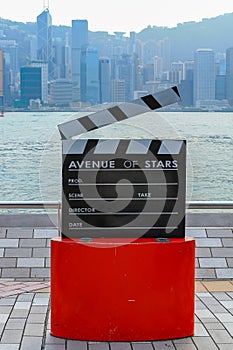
(122, 269)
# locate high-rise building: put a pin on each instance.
(79, 43)
(176, 74)
(204, 76)
(30, 84)
(1, 78)
(44, 79)
(125, 72)
(164, 51)
(186, 85)
(90, 76)
(60, 92)
(229, 75)
(220, 87)
(117, 90)
(44, 40)
(104, 79)
(158, 67)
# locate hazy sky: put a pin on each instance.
(118, 15)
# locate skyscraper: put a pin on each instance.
(44, 40)
(204, 76)
(44, 79)
(79, 42)
(30, 84)
(164, 51)
(90, 76)
(229, 75)
(104, 79)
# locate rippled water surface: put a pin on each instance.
(30, 158)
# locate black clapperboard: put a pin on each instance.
(121, 187)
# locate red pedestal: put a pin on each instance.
(118, 290)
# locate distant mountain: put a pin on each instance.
(185, 38)
(215, 33)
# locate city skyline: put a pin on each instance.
(119, 16)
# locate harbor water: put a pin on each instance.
(30, 158)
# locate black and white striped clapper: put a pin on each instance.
(120, 187)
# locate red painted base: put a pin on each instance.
(118, 290)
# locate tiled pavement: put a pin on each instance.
(24, 321)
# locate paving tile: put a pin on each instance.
(205, 273)
(208, 242)
(202, 314)
(185, 347)
(98, 346)
(229, 327)
(221, 336)
(201, 232)
(227, 242)
(120, 346)
(9, 346)
(14, 323)
(80, 345)
(187, 340)
(212, 262)
(200, 331)
(54, 347)
(229, 262)
(199, 287)
(204, 343)
(202, 252)
(38, 309)
(19, 232)
(45, 233)
(222, 252)
(5, 309)
(31, 343)
(3, 318)
(31, 242)
(30, 262)
(41, 252)
(22, 305)
(227, 303)
(219, 232)
(9, 242)
(224, 317)
(19, 313)
(7, 262)
(18, 252)
(140, 346)
(224, 273)
(221, 296)
(53, 340)
(36, 318)
(12, 336)
(13, 272)
(214, 325)
(40, 272)
(34, 329)
(218, 286)
(225, 346)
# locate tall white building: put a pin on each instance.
(204, 76)
(44, 78)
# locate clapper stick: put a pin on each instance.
(118, 113)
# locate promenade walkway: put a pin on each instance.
(24, 321)
(25, 307)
